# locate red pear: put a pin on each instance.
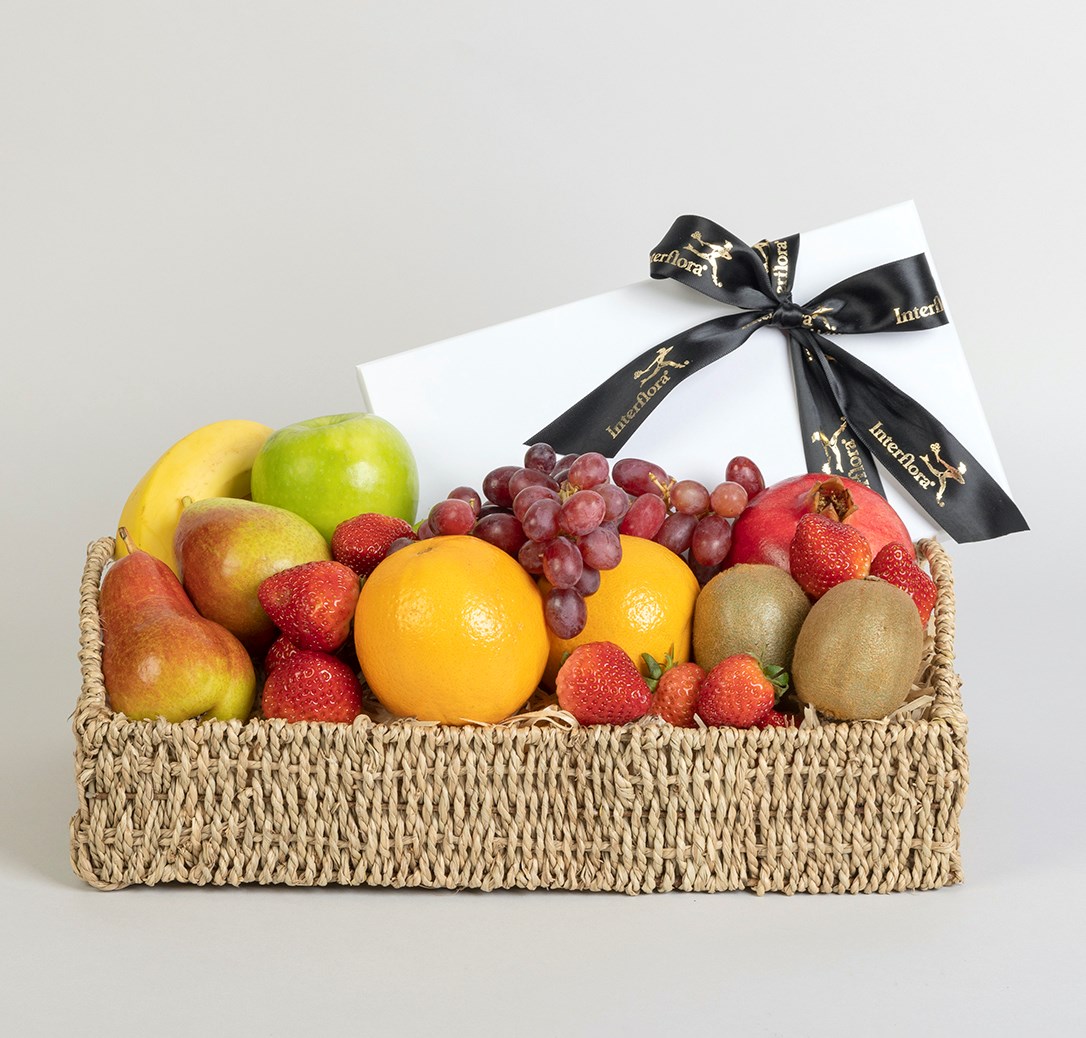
(160, 657)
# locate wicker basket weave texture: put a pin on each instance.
(862, 806)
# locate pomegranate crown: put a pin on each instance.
(832, 499)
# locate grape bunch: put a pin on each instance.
(684, 515)
(557, 516)
(561, 518)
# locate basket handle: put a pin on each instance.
(943, 574)
(92, 699)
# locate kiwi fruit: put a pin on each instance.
(858, 650)
(753, 608)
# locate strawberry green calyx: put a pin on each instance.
(656, 670)
(779, 679)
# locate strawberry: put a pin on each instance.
(674, 690)
(312, 604)
(282, 649)
(312, 686)
(600, 684)
(778, 719)
(739, 693)
(363, 541)
(826, 552)
(896, 564)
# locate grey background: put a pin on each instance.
(216, 210)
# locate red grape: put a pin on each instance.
(588, 470)
(644, 517)
(540, 521)
(589, 583)
(582, 513)
(562, 466)
(728, 500)
(528, 497)
(540, 456)
(689, 496)
(615, 498)
(425, 532)
(530, 557)
(502, 530)
(522, 478)
(703, 574)
(451, 517)
(601, 549)
(676, 532)
(496, 485)
(398, 543)
(562, 563)
(469, 495)
(744, 472)
(639, 477)
(711, 541)
(565, 612)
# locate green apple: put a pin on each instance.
(336, 467)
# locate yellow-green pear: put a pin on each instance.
(226, 547)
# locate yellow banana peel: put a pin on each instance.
(212, 461)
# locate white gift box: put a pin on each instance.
(742, 404)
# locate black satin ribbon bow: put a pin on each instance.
(849, 413)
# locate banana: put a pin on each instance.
(212, 461)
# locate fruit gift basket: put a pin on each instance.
(589, 675)
(535, 802)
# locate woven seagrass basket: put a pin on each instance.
(863, 806)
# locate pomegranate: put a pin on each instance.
(763, 533)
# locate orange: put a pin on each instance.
(451, 629)
(644, 604)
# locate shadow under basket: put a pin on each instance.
(846, 807)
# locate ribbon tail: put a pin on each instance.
(829, 443)
(929, 462)
(606, 418)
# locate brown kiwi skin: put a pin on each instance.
(751, 608)
(858, 651)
